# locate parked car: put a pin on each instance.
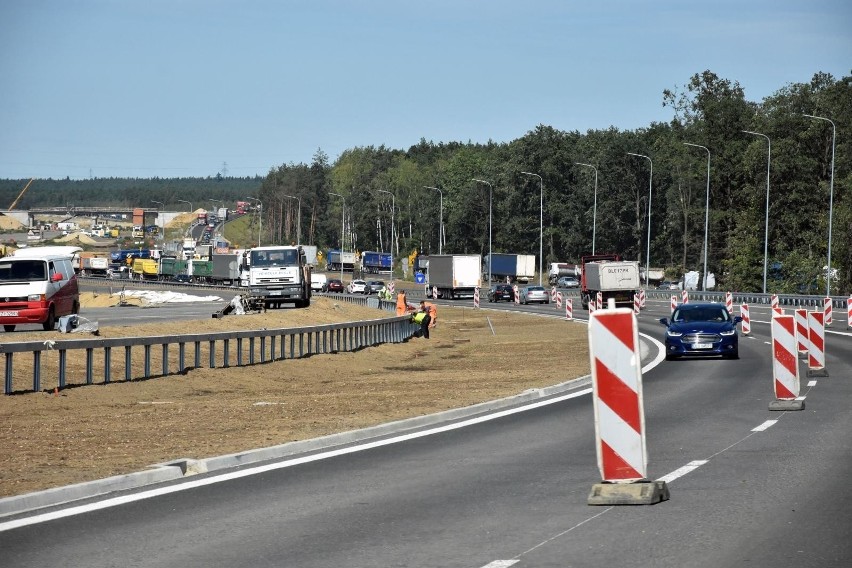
(501, 292)
(701, 329)
(333, 285)
(534, 294)
(666, 285)
(375, 287)
(567, 282)
(357, 287)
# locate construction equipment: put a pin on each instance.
(20, 195)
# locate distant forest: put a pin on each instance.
(593, 190)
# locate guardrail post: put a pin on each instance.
(292, 347)
(272, 348)
(107, 364)
(7, 387)
(128, 367)
(90, 365)
(147, 363)
(165, 359)
(197, 354)
(36, 371)
(301, 345)
(181, 356)
(63, 367)
(211, 356)
(239, 352)
(226, 353)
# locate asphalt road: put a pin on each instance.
(509, 489)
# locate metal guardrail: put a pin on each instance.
(75, 363)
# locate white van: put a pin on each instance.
(318, 282)
(37, 287)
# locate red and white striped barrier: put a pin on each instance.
(827, 308)
(619, 412)
(637, 304)
(475, 298)
(618, 403)
(729, 302)
(559, 300)
(642, 298)
(801, 316)
(785, 361)
(849, 311)
(434, 292)
(684, 297)
(674, 303)
(776, 308)
(569, 308)
(517, 294)
(816, 344)
(391, 288)
(553, 293)
(599, 301)
(746, 323)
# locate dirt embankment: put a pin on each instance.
(90, 432)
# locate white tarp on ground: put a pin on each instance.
(166, 297)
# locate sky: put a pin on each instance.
(196, 88)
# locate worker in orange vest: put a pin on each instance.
(401, 304)
(433, 313)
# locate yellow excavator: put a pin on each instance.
(20, 195)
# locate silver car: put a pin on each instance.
(534, 294)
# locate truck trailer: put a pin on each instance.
(612, 277)
(334, 259)
(510, 267)
(375, 262)
(455, 275)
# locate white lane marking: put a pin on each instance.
(151, 493)
(811, 383)
(764, 426)
(681, 471)
(767, 343)
(501, 564)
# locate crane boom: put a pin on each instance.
(20, 195)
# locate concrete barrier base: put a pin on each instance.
(787, 405)
(637, 493)
(818, 372)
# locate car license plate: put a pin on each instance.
(703, 346)
(275, 293)
(9, 314)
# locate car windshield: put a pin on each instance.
(23, 270)
(283, 257)
(535, 289)
(687, 314)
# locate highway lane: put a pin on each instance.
(514, 489)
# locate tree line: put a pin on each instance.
(665, 165)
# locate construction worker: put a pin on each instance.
(401, 304)
(425, 322)
(433, 313)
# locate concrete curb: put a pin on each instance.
(185, 467)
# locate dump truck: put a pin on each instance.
(556, 270)
(454, 275)
(94, 263)
(612, 277)
(276, 275)
(146, 269)
(510, 267)
(334, 259)
(375, 262)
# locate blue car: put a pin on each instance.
(701, 329)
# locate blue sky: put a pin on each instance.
(177, 88)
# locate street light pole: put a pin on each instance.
(540, 224)
(648, 249)
(766, 216)
(299, 222)
(595, 209)
(490, 195)
(706, 212)
(342, 231)
(830, 199)
(441, 222)
(259, 217)
(190, 204)
(393, 226)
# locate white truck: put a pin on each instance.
(612, 277)
(556, 270)
(454, 275)
(188, 248)
(276, 275)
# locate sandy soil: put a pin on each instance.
(84, 433)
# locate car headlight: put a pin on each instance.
(729, 332)
(673, 333)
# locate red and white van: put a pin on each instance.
(38, 285)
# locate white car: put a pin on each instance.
(318, 282)
(357, 287)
